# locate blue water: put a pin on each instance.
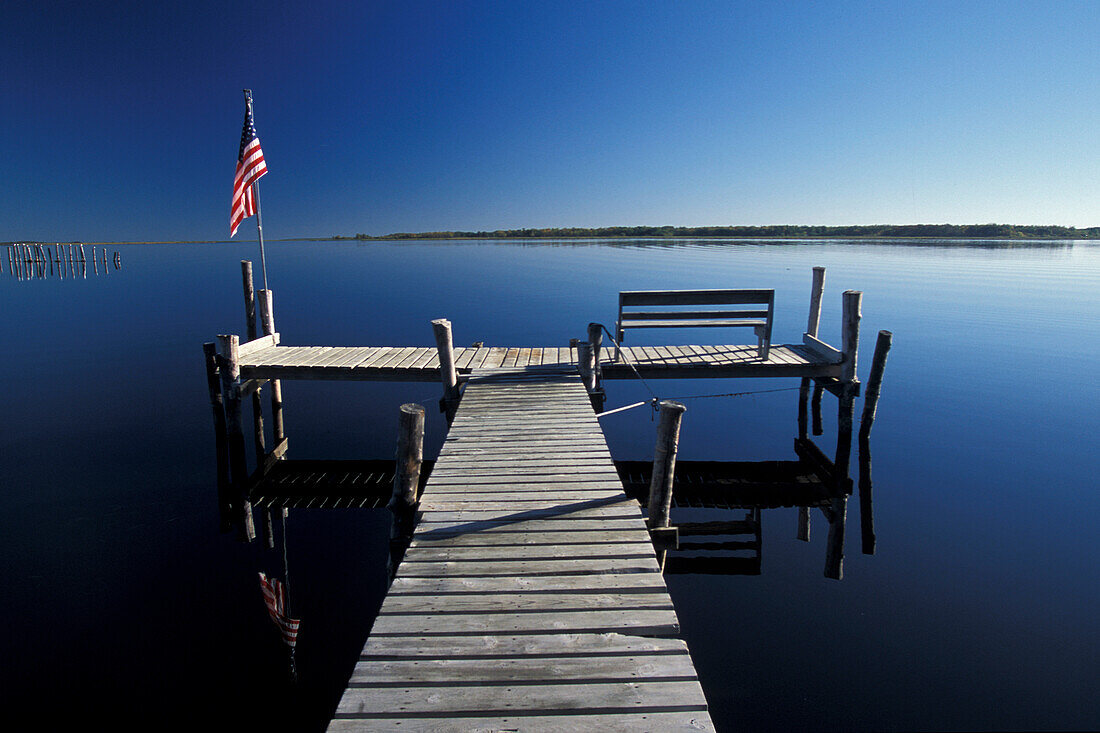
(122, 601)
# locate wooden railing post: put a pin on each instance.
(230, 371)
(444, 343)
(874, 382)
(816, 291)
(664, 464)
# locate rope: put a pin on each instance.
(739, 394)
(619, 352)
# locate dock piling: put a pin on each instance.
(230, 370)
(850, 335)
(444, 343)
(406, 481)
(664, 463)
(817, 290)
(874, 382)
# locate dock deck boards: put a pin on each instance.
(421, 363)
(530, 597)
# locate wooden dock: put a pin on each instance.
(266, 360)
(528, 594)
(530, 597)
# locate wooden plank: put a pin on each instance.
(519, 669)
(590, 550)
(821, 349)
(534, 584)
(615, 721)
(587, 621)
(694, 297)
(454, 701)
(259, 344)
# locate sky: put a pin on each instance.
(121, 121)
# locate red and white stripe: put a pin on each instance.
(250, 168)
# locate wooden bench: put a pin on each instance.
(674, 313)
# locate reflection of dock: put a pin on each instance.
(527, 592)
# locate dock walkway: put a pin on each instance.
(421, 363)
(530, 597)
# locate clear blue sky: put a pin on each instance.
(121, 121)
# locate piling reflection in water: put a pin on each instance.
(36, 261)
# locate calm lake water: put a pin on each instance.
(122, 602)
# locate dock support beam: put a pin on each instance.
(230, 370)
(664, 464)
(406, 481)
(444, 342)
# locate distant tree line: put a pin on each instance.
(928, 231)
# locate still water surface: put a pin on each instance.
(122, 602)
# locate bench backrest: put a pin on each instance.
(680, 309)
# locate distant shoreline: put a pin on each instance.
(871, 233)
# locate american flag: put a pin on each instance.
(275, 599)
(250, 167)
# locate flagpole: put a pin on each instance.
(256, 197)
(260, 229)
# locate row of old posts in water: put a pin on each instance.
(37, 261)
(521, 555)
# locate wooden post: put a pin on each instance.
(595, 338)
(874, 382)
(834, 548)
(406, 482)
(410, 454)
(249, 299)
(586, 366)
(664, 463)
(866, 510)
(231, 390)
(817, 290)
(267, 320)
(445, 345)
(250, 329)
(225, 501)
(850, 335)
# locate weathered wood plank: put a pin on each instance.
(616, 721)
